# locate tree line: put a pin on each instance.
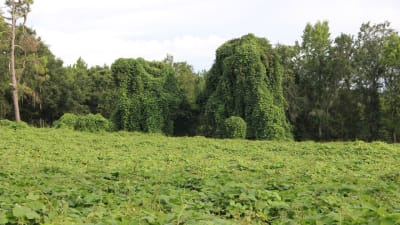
(346, 88)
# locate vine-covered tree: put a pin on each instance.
(246, 81)
(148, 96)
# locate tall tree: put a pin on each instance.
(289, 58)
(190, 85)
(317, 84)
(345, 110)
(370, 75)
(391, 93)
(17, 10)
(246, 81)
(5, 105)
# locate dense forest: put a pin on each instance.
(321, 88)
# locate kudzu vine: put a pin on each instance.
(246, 81)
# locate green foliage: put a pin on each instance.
(148, 96)
(89, 122)
(390, 101)
(317, 84)
(343, 88)
(68, 121)
(191, 85)
(246, 80)
(370, 74)
(59, 176)
(235, 127)
(13, 124)
(92, 123)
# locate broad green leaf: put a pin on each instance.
(32, 196)
(22, 211)
(3, 219)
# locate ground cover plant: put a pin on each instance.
(61, 176)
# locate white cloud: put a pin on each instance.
(101, 31)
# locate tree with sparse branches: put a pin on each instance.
(17, 10)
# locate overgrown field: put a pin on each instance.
(50, 176)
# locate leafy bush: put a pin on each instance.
(90, 122)
(67, 121)
(235, 127)
(12, 124)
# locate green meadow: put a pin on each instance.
(58, 176)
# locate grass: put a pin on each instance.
(56, 176)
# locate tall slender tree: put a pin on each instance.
(315, 80)
(17, 10)
(391, 94)
(371, 71)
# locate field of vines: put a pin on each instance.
(57, 177)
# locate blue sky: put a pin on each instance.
(190, 30)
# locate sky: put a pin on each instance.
(102, 31)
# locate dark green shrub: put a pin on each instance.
(67, 121)
(235, 127)
(92, 123)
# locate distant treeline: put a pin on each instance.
(324, 89)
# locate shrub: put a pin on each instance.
(92, 123)
(12, 124)
(67, 121)
(235, 127)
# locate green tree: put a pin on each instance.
(370, 71)
(246, 81)
(346, 111)
(102, 91)
(149, 96)
(391, 93)
(5, 106)
(318, 84)
(289, 58)
(190, 86)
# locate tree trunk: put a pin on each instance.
(14, 84)
(320, 131)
